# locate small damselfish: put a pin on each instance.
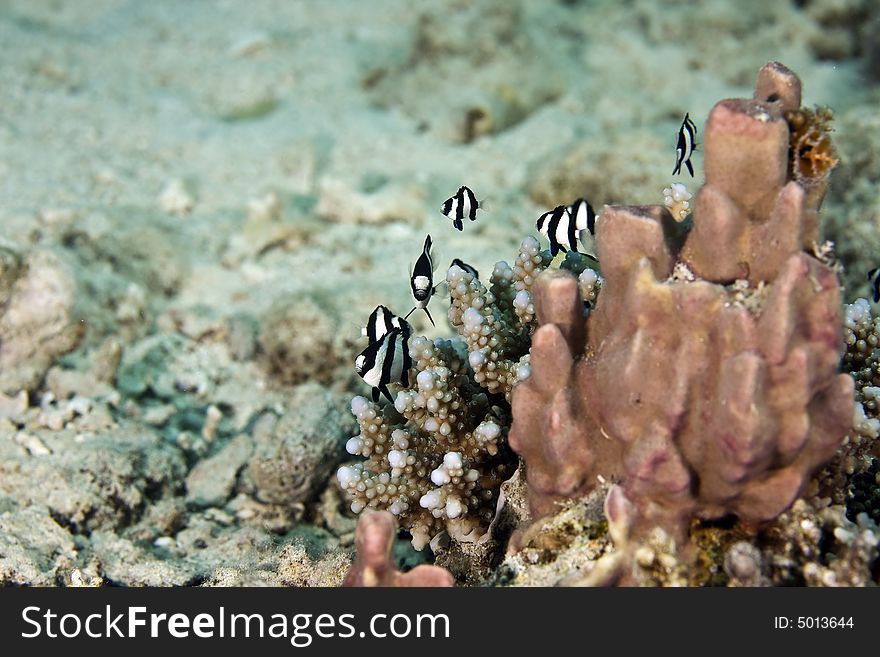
(385, 362)
(686, 144)
(584, 216)
(381, 321)
(463, 204)
(874, 277)
(562, 225)
(421, 281)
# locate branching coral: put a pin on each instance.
(433, 460)
(697, 403)
(677, 199)
(862, 357)
(436, 459)
(497, 322)
(841, 481)
(849, 478)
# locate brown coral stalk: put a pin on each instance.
(700, 398)
(373, 565)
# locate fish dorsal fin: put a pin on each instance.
(427, 250)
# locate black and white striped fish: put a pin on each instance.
(385, 362)
(686, 144)
(421, 281)
(463, 204)
(583, 215)
(466, 267)
(381, 321)
(874, 277)
(562, 225)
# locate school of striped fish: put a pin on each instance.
(386, 360)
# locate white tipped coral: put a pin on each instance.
(677, 198)
(436, 459)
(861, 335)
(437, 465)
(589, 284)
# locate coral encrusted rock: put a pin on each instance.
(705, 381)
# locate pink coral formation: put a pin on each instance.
(373, 566)
(706, 380)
